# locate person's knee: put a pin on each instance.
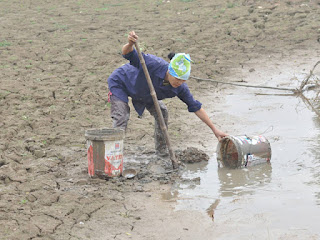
(120, 113)
(164, 110)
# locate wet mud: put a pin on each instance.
(191, 155)
(55, 60)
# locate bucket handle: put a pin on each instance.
(267, 130)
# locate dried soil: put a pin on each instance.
(55, 60)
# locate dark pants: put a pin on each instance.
(120, 114)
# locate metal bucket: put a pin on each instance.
(105, 151)
(243, 151)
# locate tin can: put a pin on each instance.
(243, 151)
(105, 152)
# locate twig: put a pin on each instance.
(304, 82)
(307, 101)
(317, 97)
(244, 85)
(275, 94)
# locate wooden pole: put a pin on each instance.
(156, 104)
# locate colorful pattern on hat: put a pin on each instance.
(180, 66)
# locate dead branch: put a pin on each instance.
(304, 82)
(307, 101)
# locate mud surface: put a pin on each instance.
(192, 155)
(55, 60)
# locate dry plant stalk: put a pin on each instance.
(313, 103)
(304, 82)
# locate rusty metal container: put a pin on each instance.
(105, 152)
(243, 151)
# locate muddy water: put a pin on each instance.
(269, 201)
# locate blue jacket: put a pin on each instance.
(129, 80)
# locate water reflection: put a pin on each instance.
(243, 181)
(196, 167)
(203, 185)
(315, 150)
(198, 186)
(316, 120)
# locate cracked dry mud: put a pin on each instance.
(55, 60)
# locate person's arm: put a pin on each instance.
(195, 106)
(129, 52)
(128, 48)
(205, 118)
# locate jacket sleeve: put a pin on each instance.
(186, 96)
(156, 66)
(133, 58)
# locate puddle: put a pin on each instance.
(277, 198)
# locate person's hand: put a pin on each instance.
(132, 38)
(219, 134)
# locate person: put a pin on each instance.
(169, 80)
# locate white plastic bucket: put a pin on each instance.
(105, 152)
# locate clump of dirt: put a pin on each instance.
(191, 155)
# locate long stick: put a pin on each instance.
(156, 104)
(244, 85)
